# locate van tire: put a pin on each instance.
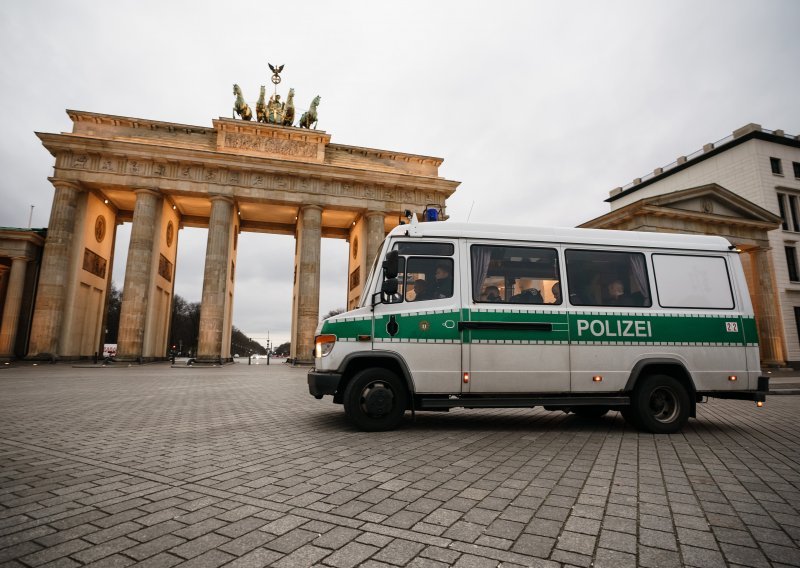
(660, 404)
(375, 400)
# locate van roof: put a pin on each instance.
(639, 239)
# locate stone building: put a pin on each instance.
(745, 187)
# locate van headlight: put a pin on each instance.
(323, 344)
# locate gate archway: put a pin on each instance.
(236, 176)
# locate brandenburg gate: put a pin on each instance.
(234, 176)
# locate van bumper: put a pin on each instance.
(320, 384)
(758, 395)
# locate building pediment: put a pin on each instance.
(711, 200)
(710, 209)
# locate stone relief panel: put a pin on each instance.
(261, 144)
(94, 263)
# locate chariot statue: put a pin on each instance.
(275, 110)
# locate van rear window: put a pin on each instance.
(684, 281)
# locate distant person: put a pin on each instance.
(443, 285)
(493, 294)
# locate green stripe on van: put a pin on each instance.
(578, 328)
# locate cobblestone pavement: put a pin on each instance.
(241, 467)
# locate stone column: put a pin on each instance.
(770, 339)
(138, 276)
(215, 279)
(309, 241)
(13, 304)
(375, 235)
(54, 274)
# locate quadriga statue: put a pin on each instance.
(240, 107)
(261, 106)
(310, 116)
(288, 111)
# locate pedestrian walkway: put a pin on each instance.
(240, 466)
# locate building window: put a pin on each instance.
(796, 167)
(793, 213)
(789, 209)
(782, 209)
(797, 319)
(777, 167)
(791, 264)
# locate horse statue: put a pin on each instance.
(288, 111)
(240, 106)
(310, 116)
(261, 106)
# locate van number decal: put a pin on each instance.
(732, 327)
(619, 328)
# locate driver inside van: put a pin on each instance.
(421, 291)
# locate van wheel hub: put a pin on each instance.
(377, 400)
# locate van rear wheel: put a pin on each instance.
(660, 404)
(375, 400)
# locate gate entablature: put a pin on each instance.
(235, 176)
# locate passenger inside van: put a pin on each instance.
(492, 294)
(556, 290)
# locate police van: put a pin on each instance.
(577, 320)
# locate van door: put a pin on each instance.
(612, 324)
(421, 322)
(516, 327)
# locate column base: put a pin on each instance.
(49, 357)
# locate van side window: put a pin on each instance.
(425, 271)
(517, 275)
(428, 278)
(684, 281)
(605, 278)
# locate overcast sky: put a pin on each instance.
(538, 108)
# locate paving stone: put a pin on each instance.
(702, 557)
(534, 545)
(350, 555)
(605, 558)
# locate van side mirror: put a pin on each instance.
(389, 286)
(391, 265)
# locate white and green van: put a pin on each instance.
(580, 320)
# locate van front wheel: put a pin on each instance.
(375, 400)
(660, 405)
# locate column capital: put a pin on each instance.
(218, 197)
(369, 214)
(146, 191)
(66, 184)
(311, 207)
